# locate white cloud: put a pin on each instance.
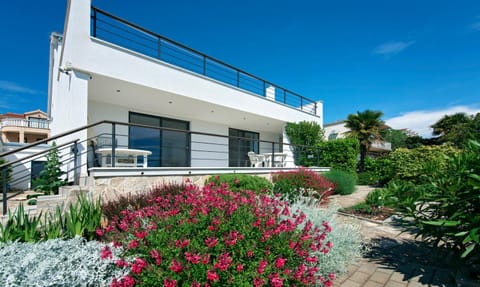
(16, 88)
(392, 48)
(420, 121)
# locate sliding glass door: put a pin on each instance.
(169, 148)
(239, 144)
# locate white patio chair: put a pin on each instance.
(279, 160)
(256, 160)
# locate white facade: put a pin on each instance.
(336, 130)
(92, 80)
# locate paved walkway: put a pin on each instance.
(396, 259)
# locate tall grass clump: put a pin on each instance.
(344, 181)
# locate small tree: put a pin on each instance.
(8, 172)
(365, 126)
(50, 178)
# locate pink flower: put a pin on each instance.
(169, 282)
(261, 266)
(176, 266)
(156, 255)
(121, 263)
(250, 254)
(141, 234)
(106, 252)
(258, 282)
(223, 262)
(276, 281)
(212, 275)
(236, 182)
(211, 242)
(133, 244)
(280, 262)
(99, 232)
(331, 275)
(239, 267)
(138, 266)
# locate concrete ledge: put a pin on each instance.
(97, 172)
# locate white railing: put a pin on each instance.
(36, 124)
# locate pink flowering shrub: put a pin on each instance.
(216, 237)
(292, 184)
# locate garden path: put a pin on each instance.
(395, 258)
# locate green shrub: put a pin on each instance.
(344, 182)
(339, 154)
(379, 198)
(452, 214)
(216, 237)
(8, 173)
(292, 184)
(367, 178)
(417, 165)
(240, 182)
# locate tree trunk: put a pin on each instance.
(363, 154)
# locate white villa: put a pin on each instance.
(338, 130)
(207, 114)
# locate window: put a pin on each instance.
(332, 136)
(38, 123)
(240, 142)
(169, 148)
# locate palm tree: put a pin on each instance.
(365, 126)
(456, 128)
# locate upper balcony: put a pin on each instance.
(112, 29)
(24, 123)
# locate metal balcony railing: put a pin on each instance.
(14, 122)
(120, 32)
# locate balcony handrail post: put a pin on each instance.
(112, 159)
(159, 48)
(272, 161)
(238, 79)
(315, 109)
(75, 162)
(238, 152)
(284, 96)
(301, 103)
(4, 189)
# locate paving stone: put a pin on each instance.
(415, 284)
(380, 277)
(396, 276)
(350, 283)
(396, 284)
(370, 283)
(385, 270)
(359, 277)
(368, 268)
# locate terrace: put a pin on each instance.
(117, 31)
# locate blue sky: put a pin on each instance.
(413, 60)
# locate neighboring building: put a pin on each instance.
(24, 128)
(337, 130)
(105, 68)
